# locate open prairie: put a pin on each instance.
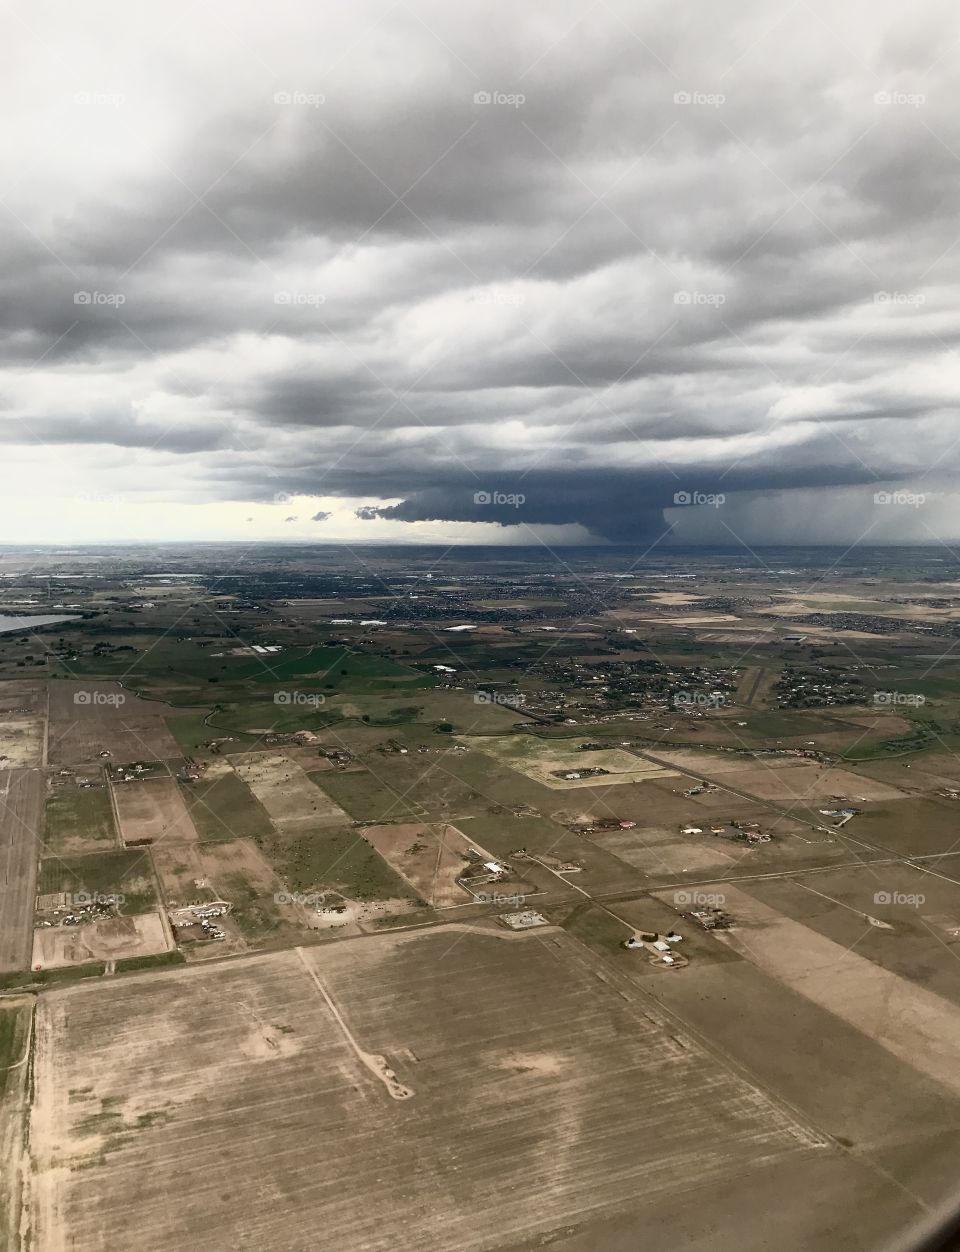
(90, 718)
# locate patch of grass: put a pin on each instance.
(190, 731)
(37, 979)
(598, 930)
(340, 860)
(125, 871)
(339, 669)
(73, 815)
(364, 796)
(157, 960)
(14, 1032)
(224, 808)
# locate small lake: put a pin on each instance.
(8, 623)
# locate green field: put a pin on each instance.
(14, 1033)
(73, 817)
(337, 669)
(126, 871)
(340, 860)
(364, 797)
(225, 808)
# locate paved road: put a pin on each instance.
(21, 806)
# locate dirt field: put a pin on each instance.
(22, 721)
(21, 740)
(110, 939)
(916, 1025)
(292, 801)
(106, 719)
(430, 858)
(779, 778)
(21, 808)
(259, 1083)
(538, 759)
(235, 871)
(153, 808)
(16, 1029)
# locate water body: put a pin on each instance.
(8, 623)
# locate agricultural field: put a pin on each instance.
(291, 799)
(266, 1086)
(307, 1016)
(222, 806)
(92, 721)
(127, 872)
(543, 761)
(432, 858)
(152, 810)
(21, 814)
(78, 820)
(16, 1039)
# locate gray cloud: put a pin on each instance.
(716, 256)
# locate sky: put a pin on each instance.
(421, 272)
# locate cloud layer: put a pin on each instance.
(480, 267)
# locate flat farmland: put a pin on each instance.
(779, 778)
(21, 807)
(21, 739)
(540, 759)
(16, 1031)
(151, 810)
(78, 820)
(431, 858)
(121, 871)
(290, 798)
(87, 718)
(917, 1026)
(22, 723)
(222, 806)
(253, 1091)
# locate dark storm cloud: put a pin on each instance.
(665, 255)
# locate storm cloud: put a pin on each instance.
(586, 267)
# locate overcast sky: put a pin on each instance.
(480, 272)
